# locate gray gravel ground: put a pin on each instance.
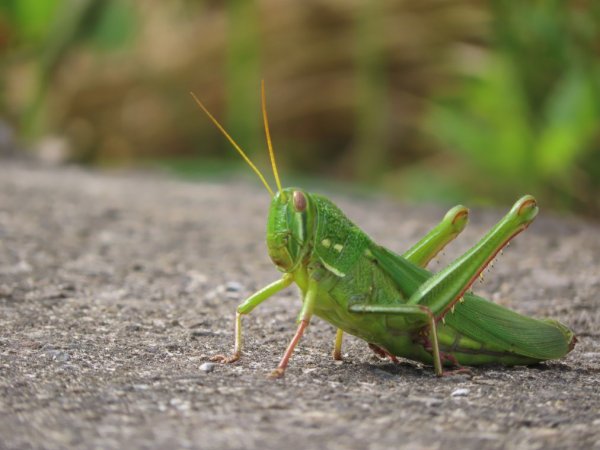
(116, 289)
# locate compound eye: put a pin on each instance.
(299, 201)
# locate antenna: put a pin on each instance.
(266, 121)
(236, 146)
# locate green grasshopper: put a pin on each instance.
(392, 301)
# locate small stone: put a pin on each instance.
(233, 286)
(207, 367)
(462, 392)
(58, 355)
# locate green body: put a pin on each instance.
(360, 286)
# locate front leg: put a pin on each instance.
(305, 315)
(245, 308)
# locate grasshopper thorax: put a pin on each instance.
(290, 228)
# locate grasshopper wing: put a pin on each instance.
(407, 276)
(493, 324)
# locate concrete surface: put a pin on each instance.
(116, 289)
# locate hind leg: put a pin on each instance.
(441, 235)
(442, 290)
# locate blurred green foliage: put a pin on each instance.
(448, 101)
(529, 121)
(44, 32)
(30, 16)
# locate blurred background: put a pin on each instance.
(447, 101)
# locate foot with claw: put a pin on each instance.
(223, 359)
(277, 373)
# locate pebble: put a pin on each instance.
(207, 367)
(58, 355)
(233, 286)
(462, 392)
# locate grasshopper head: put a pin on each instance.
(292, 214)
(290, 228)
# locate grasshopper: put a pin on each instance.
(392, 301)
